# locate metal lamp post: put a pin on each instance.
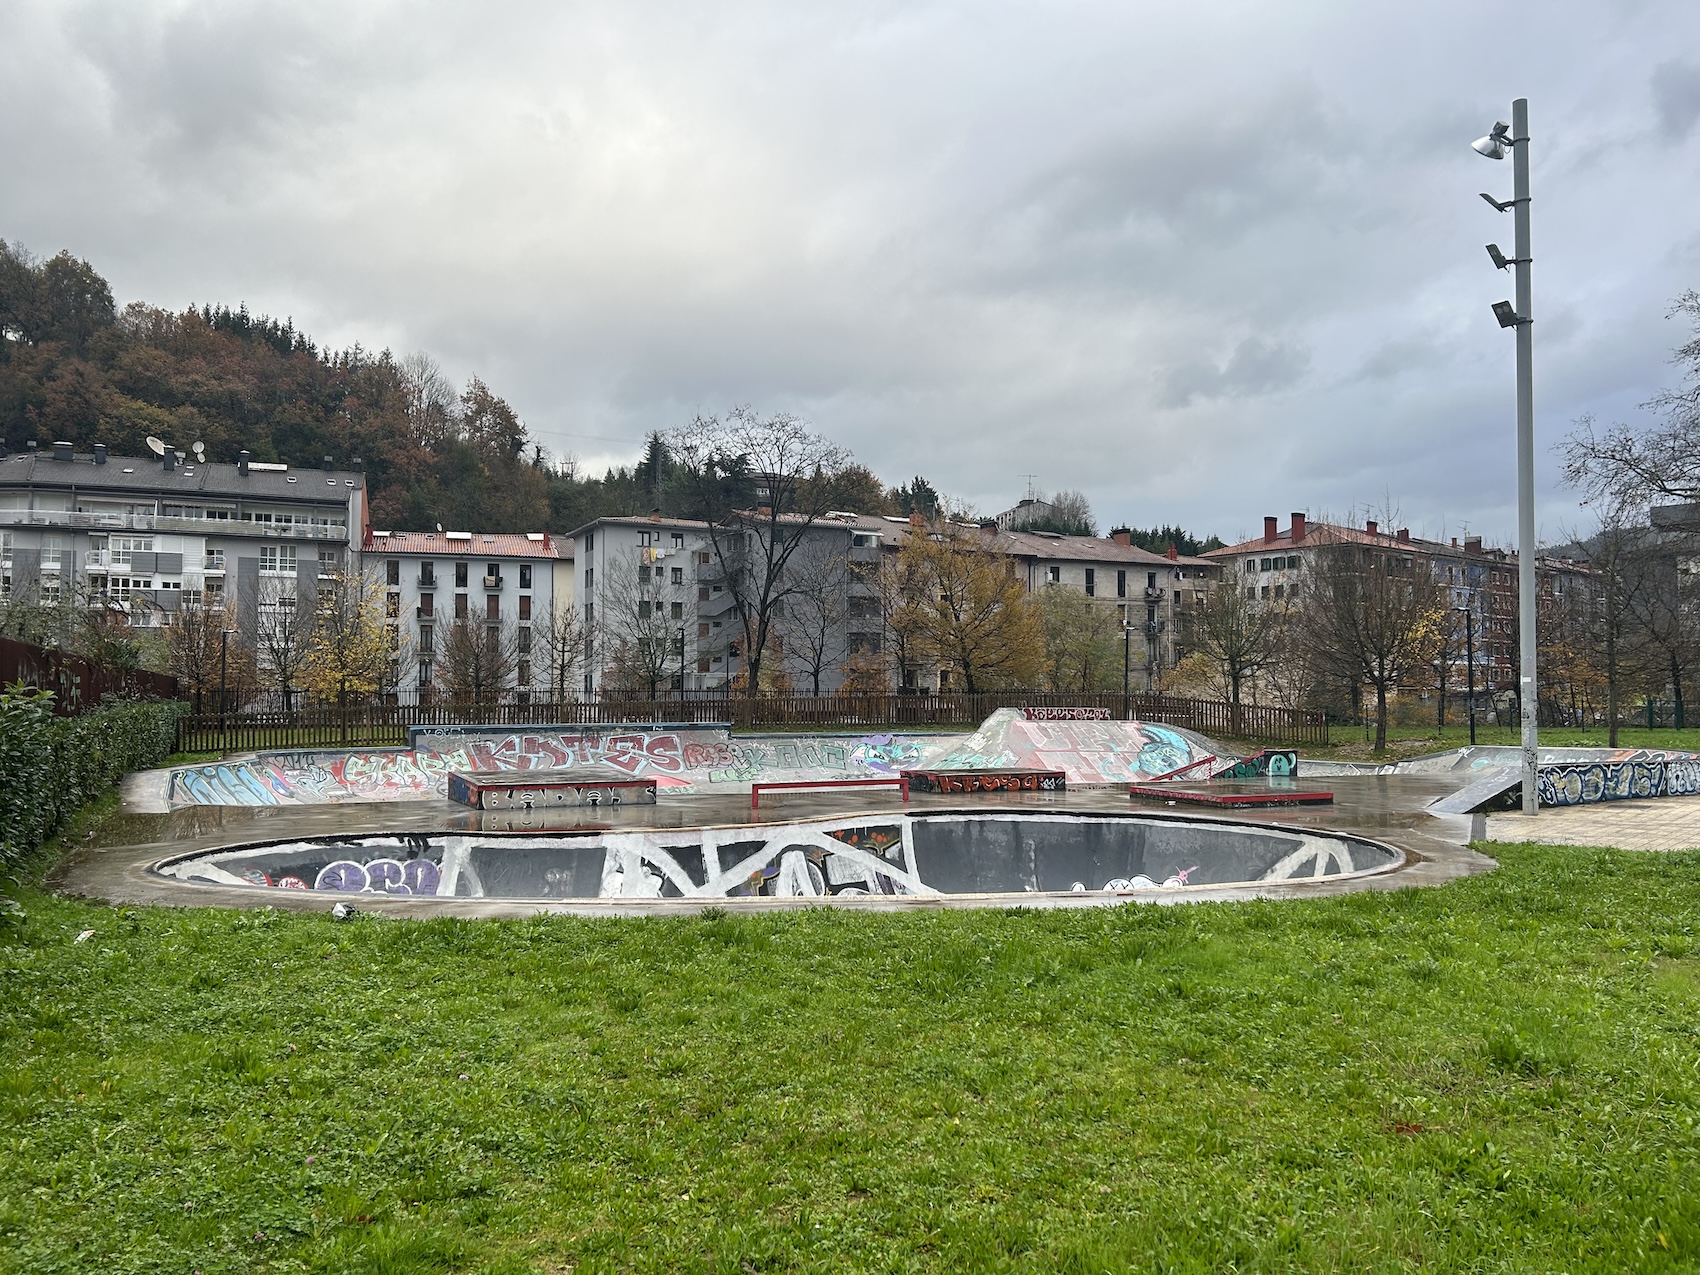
(223, 660)
(681, 664)
(1470, 664)
(1127, 668)
(1515, 137)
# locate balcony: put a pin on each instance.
(427, 581)
(492, 582)
(76, 520)
(1155, 595)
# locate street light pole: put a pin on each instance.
(1522, 318)
(1127, 667)
(1470, 665)
(223, 660)
(681, 664)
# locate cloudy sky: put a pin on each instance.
(1203, 261)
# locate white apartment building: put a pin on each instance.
(649, 572)
(509, 583)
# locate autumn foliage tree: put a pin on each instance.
(965, 609)
(353, 646)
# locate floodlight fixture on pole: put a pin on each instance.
(1499, 259)
(1515, 138)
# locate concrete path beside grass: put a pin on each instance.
(1663, 823)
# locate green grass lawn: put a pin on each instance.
(1503, 1074)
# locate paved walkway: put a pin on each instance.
(1660, 823)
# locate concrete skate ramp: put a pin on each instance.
(892, 853)
(1090, 753)
(688, 758)
(679, 759)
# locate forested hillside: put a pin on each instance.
(74, 366)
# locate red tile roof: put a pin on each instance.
(478, 544)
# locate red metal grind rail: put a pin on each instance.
(1202, 797)
(756, 790)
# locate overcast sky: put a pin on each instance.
(1204, 261)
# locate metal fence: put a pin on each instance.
(386, 725)
(77, 685)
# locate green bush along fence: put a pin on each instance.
(50, 765)
(386, 725)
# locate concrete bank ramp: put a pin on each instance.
(688, 759)
(1090, 753)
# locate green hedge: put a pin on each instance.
(50, 766)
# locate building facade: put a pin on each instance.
(148, 535)
(506, 590)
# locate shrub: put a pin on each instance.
(50, 766)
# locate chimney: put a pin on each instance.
(1298, 526)
(1269, 532)
(1454, 542)
(1372, 528)
(242, 462)
(1122, 536)
(917, 520)
(64, 451)
(30, 445)
(1472, 544)
(325, 463)
(1174, 554)
(1404, 535)
(170, 459)
(358, 465)
(100, 453)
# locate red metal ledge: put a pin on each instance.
(972, 781)
(1204, 797)
(756, 790)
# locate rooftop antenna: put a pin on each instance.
(1030, 478)
(156, 446)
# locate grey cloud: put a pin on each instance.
(1257, 366)
(1676, 98)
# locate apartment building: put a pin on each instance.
(506, 585)
(150, 533)
(1481, 581)
(640, 580)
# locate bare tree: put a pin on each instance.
(1241, 634)
(815, 612)
(761, 484)
(432, 408)
(1374, 615)
(477, 660)
(201, 654)
(281, 634)
(1083, 641)
(638, 636)
(559, 648)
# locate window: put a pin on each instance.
(427, 633)
(589, 579)
(427, 574)
(643, 609)
(645, 539)
(213, 560)
(678, 576)
(426, 602)
(678, 540)
(424, 672)
(702, 593)
(525, 673)
(864, 540)
(643, 574)
(1121, 584)
(460, 575)
(703, 557)
(1251, 564)
(492, 571)
(1293, 564)
(702, 664)
(277, 560)
(702, 628)
(1054, 574)
(525, 575)
(589, 544)
(678, 611)
(1091, 582)
(392, 573)
(52, 552)
(123, 546)
(1279, 590)
(1150, 579)
(392, 605)
(460, 606)
(1266, 591)
(492, 606)
(525, 607)
(522, 640)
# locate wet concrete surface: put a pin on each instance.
(115, 865)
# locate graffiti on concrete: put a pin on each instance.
(1274, 762)
(849, 855)
(986, 781)
(1619, 777)
(1066, 714)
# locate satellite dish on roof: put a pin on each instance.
(156, 446)
(439, 526)
(200, 450)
